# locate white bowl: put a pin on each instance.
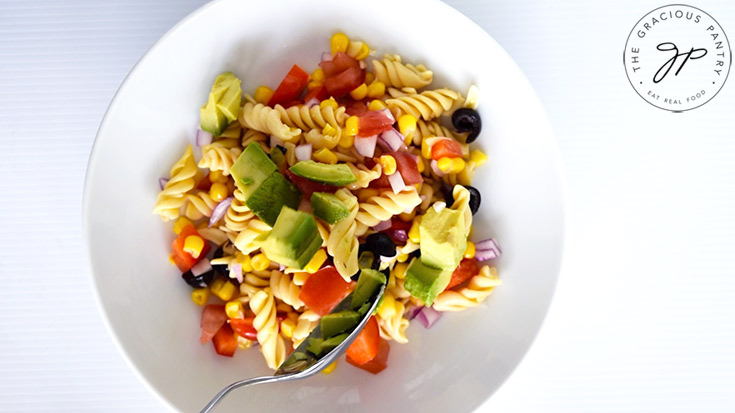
(454, 366)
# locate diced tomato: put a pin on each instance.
(213, 318)
(446, 148)
(408, 168)
(290, 87)
(339, 63)
(355, 107)
(225, 342)
(323, 290)
(373, 122)
(381, 182)
(183, 259)
(205, 184)
(344, 82)
(365, 346)
(379, 363)
(319, 93)
(370, 163)
(466, 269)
(244, 327)
(308, 187)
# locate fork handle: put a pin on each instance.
(237, 384)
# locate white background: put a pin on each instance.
(644, 314)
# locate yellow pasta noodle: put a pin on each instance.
(315, 117)
(246, 240)
(394, 73)
(199, 205)
(342, 243)
(238, 214)
(266, 324)
(217, 157)
(479, 288)
(427, 105)
(267, 120)
(285, 290)
(384, 206)
(390, 319)
(364, 175)
(172, 197)
(305, 323)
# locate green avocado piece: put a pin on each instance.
(279, 159)
(294, 239)
(251, 169)
(368, 282)
(274, 193)
(425, 282)
(319, 346)
(212, 120)
(338, 175)
(443, 238)
(328, 207)
(223, 104)
(333, 324)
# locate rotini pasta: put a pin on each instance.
(267, 120)
(394, 73)
(199, 205)
(384, 206)
(266, 324)
(172, 197)
(305, 323)
(238, 215)
(315, 117)
(216, 157)
(285, 290)
(462, 203)
(246, 240)
(479, 288)
(390, 319)
(364, 175)
(342, 243)
(426, 105)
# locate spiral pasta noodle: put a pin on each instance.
(217, 157)
(364, 175)
(304, 324)
(382, 207)
(246, 240)
(342, 243)
(267, 120)
(319, 140)
(430, 129)
(462, 203)
(265, 323)
(394, 73)
(172, 197)
(479, 288)
(238, 214)
(426, 105)
(390, 319)
(426, 193)
(285, 290)
(316, 117)
(199, 205)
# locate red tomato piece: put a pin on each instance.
(290, 87)
(344, 82)
(323, 290)
(355, 107)
(213, 318)
(291, 103)
(381, 182)
(244, 328)
(379, 363)
(318, 93)
(408, 168)
(399, 224)
(308, 187)
(183, 259)
(339, 63)
(205, 184)
(225, 342)
(373, 123)
(466, 269)
(446, 148)
(365, 346)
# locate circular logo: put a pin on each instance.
(677, 57)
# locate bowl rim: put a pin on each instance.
(555, 154)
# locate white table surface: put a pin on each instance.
(644, 315)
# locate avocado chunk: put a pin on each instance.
(328, 207)
(212, 120)
(319, 346)
(338, 175)
(443, 238)
(251, 169)
(425, 282)
(223, 104)
(294, 239)
(274, 193)
(368, 282)
(333, 324)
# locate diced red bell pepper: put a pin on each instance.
(290, 87)
(379, 363)
(344, 82)
(466, 269)
(213, 318)
(244, 328)
(373, 122)
(446, 148)
(319, 93)
(365, 346)
(323, 290)
(408, 168)
(308, 187)
(183, 259)
(225, 342)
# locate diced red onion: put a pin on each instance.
(383, 225)
(275, 142)
(162, 182)
(412, 310)
(428, 316)
(311, 102)
(236, 270)
(326, 56)
(400, 235)
(303, 152)
(487, 249)
(435, 168)
(365, 146)
(388, 114)
(396, 182)
(220, 210)
(203, 138)
(201, 267)
(391, 140)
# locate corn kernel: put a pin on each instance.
(329, 130)
(359, 92)
(245, 261)
(313, 85)
(217, 177)
(367, 193)
(316, 261)
(260, 262)
(458, 164)
(376, 104)
(193, 245)
(181, 223)
(339, 43)
(399, 271)
(171, 259)
(330, 368)
(450, 165)
(263, 94)
(469, 253)
(351, 125)
(234, 309)
(376, 90)
(218, 191)
(402, 257)
(216, 286)
(420, 165)
(388, 163)
(414, 232)
(369, 77)
(387, 308)
(318, 75)
(425, 150)
(225, 292)
(287, 327)
(478, 157)
(326, 156)
(329, 102)
(407, 125)
(200, 296)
